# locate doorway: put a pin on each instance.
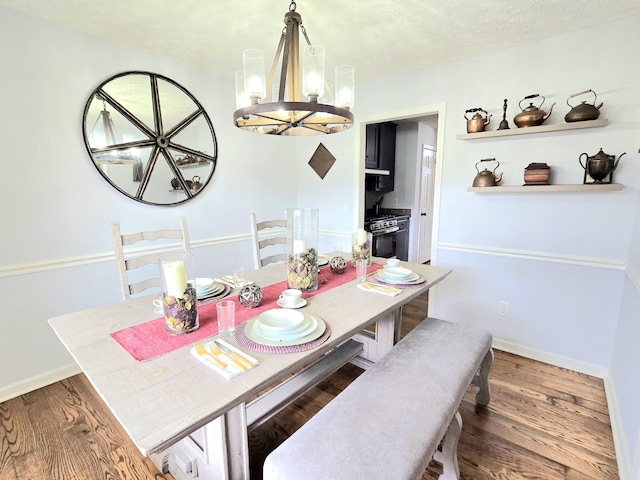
(424, 228)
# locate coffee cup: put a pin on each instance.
(157, 306)
(291, 297)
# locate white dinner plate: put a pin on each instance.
(308, 326)
(215, 289)
(414, 279)
(411, 278)
(202, 283)
(300, 304)
(252, 333)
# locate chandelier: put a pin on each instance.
(323, 112)
(107, 140)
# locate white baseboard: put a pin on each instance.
(617, 428)
(39, 381)
(552, 359)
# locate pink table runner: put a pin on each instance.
(150, 340)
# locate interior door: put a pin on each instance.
(425, 224)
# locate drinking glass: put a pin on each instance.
(238, 277)
(226, 311)
(361, 270)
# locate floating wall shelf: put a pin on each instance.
(601, 122)
(548, 188)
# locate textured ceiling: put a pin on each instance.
(375, 36)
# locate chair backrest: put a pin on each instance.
(262, 257)
(132, 258)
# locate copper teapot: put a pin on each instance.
(584, 111)
(477, 122)
(599, 167)
(485, 178)
(531, 116)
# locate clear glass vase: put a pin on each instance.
(302, 235)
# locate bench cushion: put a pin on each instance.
(388, 423)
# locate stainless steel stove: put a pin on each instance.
(390, 236)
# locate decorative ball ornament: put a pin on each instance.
(338, 264)
(251, 296)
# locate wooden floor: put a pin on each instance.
(543, 422)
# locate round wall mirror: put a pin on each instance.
(150, 138)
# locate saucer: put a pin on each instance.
(300, 304)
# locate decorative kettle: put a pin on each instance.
(531, 116)
(584, 111)
(600, 167)
(195, 184)
(477, 122)
(485, 178)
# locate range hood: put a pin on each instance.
(372, 171)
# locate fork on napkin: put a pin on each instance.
(377, 288)
(230, 369)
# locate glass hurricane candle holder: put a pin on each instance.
(178, 297)
(302, 234)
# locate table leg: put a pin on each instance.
(387, 333)
(375, 346)
(227, 446)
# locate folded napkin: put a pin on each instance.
(383, 289)
(230, 371)
(231, 281)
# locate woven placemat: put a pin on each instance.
(246, 342)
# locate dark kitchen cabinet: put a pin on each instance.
(380, 155)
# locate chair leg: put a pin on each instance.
(449, 454)
(482, 379)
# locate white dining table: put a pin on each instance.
(166, 400)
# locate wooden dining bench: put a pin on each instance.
(397, 415)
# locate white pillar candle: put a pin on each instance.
(299, 246)
(361, 237)
(175, 277)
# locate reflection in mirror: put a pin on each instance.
(150, 138)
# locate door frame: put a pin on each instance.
(414, 113)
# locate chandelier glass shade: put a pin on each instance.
(301, 102)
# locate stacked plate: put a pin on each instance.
(282, 327)
(398, 276)
(206, 287)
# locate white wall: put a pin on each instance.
(626, 357)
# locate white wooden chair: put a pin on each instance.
(262, 256)
(134, 258)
